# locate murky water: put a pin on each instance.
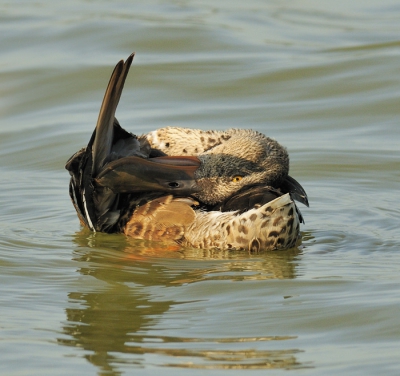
(321, 77)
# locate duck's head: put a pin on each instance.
(246, 158)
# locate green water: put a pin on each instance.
(321, 77)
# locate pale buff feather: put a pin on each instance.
(274, 225)
(162, 219)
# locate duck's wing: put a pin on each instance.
(259, 195)
(97, 205)
(104, 132)
(248, 198)
(97, 209)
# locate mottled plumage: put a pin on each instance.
(207, 189)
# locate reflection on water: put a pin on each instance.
(319, 76)
(111, 318)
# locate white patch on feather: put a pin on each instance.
(87, 213)
(152, 137)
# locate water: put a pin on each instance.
(321, 77)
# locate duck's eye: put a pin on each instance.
(237, 178)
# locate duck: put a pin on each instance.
(210, 189)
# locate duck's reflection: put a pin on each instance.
(113, 315)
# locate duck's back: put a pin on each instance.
(184, 141)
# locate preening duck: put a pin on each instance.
(205, 189)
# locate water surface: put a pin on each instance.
(321, 77)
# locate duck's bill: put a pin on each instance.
(295, 189)
(166, 174)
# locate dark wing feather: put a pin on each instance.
(248, 198)
(103, 140)
(252, 197)
(297, 192)
(116, 163)
(98, 208)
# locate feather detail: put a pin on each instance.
(162, 219)
(274, 225)
(184, 141)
